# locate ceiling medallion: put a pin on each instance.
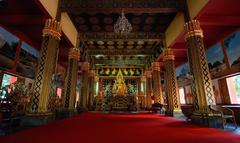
(122, 26)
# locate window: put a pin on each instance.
(182, 96)
(59, 92)
(7, 85)
(234, 89)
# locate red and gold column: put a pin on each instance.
(148, 74)
(46, 67)
(201, 82)
(71, 79)
(143, 84)
(157, 87)
(171, 87)
(85, 86)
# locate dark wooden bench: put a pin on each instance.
(187, 110)
(156, 107)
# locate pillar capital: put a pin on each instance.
(143, 78)
(92, 73)
(85, 66)
(52, 28)
(148, 74)
(96, 78)
(74, 53)
(202, 83)
(192, 28)
(168, 54)
(156, 66)
(157, 89)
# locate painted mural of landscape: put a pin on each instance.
(8, 46)
(215, 58)
(182, 71)
(232, 44)
(28, 60)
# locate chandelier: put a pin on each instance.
(122, 26)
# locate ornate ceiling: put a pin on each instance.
(94, 19)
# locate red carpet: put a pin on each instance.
(124, 128)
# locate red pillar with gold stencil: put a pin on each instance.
(157, 87)
(46, 67)
(201, 79)
(71, 79)
(170, 81)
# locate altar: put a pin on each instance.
(120, 98)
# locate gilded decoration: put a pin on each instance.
(91, 73)
(148, 74)
(156, 66)
(53, 28)
(168, 54)
(192, 28)
(74, 53)
(112, 71)
(85, 66)
(202, 84)
(170, 82)
(119, 87)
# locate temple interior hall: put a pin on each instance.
(120, 71)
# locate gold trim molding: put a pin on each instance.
(85, 66)
(74, 53)
(53, 28)
(148, 74)
(156, 66)
(168, 54)
(192, 28)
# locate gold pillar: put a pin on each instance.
(201, 82)
(157, 87)
(143, 84)
(71, 79)
(46, 67)
(100, 88)
(148, 89)
(96, 87)
(85, 86)
(171, 87)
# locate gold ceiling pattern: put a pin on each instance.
(119, 60)
(126, 44)
(94, 19)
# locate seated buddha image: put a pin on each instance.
(119, 87)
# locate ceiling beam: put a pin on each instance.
(120, 52)
(119, 62)
(114, 36)
(116, 6)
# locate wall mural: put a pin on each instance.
(8, 46)
(28, 60)
(215, 58)
(112, 71)
(182, 71)
(232, 44)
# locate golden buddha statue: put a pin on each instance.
(119, 86)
